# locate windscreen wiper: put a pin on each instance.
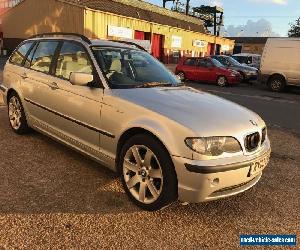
(154, 84)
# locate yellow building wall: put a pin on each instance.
(96, 23)
(39, 16)
(31, 17)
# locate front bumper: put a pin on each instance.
(234, 79)
(251, 77)
(197, 182)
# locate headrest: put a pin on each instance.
(116, 65)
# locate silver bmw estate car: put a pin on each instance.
(117, 104)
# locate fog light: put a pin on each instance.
(215, 181)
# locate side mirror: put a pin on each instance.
(81, 79)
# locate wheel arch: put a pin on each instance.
(243, 74)
(10, 92)
(136, 131)
(276, 75)
(132, 132)
(222, 75)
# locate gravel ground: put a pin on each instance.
(53, 197)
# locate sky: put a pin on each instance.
(253, 17)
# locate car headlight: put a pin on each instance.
(234, 73)
(213, 146)
(251, 72)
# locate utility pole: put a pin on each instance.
(165, 1)
(215, 29)
(187, 7)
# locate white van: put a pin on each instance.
(280, 64)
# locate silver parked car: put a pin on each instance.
(118, 105)
(252, 60)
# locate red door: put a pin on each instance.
(189, 68)
(139, 35)
(157, 41)
(210, 49)
(205, 70)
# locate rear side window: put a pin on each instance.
(221, 60)
(28, 59)
(73, 58)
(43, 55)
(19, 55)
(190, 62)
(205, 63)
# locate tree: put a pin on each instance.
(295, 29)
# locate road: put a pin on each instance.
(53, 197)
(277, 109)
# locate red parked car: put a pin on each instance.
(206, 69)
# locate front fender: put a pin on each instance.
(171, 134)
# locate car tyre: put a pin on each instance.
(277, 83)
(181, 76)
(16, 115)
(147, 173)
(244, 78)
(222, 81)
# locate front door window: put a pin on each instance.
(72, 58)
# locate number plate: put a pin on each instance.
(258, 165)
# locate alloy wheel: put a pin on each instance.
(276, 85)
(181, 76)
(142, 174)
(15, 113)
(222, 81)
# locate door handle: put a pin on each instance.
(53, 85)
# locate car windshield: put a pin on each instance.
(233, 61)
(243, 59)
(131, 68)
(217, 63)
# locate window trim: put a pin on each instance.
(38, 43)
(97, 79)
(110, 85)
(32, 48)
(27, 53)
(195, 62)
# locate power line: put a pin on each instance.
(262, 16)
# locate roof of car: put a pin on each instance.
(246, 54)
(102, 42)
(93, 42)
(198, 57)
(219, 56)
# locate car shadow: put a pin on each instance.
(42, 176)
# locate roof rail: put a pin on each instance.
(84, 38)
(130, 43)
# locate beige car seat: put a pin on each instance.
(116, 66)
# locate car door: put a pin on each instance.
(14, 70)
(211, 70)
(190, 68)
(75, 110)
(203, 71)
(37, 80)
